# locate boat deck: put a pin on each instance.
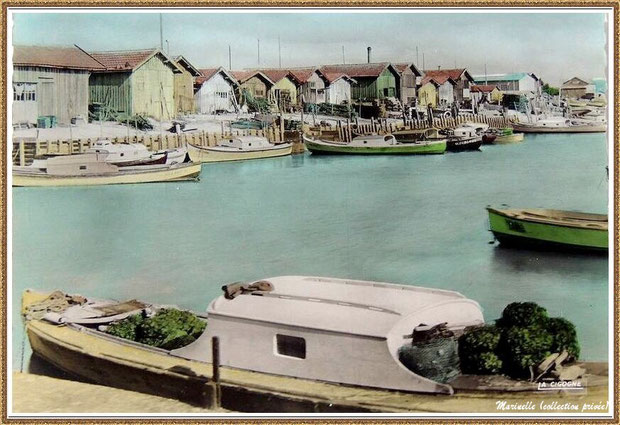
(557, 217)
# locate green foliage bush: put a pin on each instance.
(522, 338)
(523, 315)
(168, 329)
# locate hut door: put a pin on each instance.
(25, 103)
(46, 98)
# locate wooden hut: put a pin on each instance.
(408, 80)
(215, 91)
(50, 81)
(488, 93)
(311, 85)
(445, 90)
(461, 77)
(339, 88)
(374, 80)
(574, 88)
(184, 86)
(284, 90)
(255, 82)
(135, 82)
(428, 93)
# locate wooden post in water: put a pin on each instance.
(22, 153)
(215, 351)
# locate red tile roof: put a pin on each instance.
(207, 73)
(242, 76)
(400, 67)
(126, 60)
(54, 57)
(277, 74)
(455, 74)
(439, 79)
(483, 88)
(333, 76)
(302, 74)
(356, 70)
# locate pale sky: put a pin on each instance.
(554, 46)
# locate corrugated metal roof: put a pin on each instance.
(483, 88)
(54, 57)
(444, 74)
(515, 76)
(357, 70)
(126, 60)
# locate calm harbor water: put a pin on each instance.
(412, 220)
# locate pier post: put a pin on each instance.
(22, 153)
(215, 348)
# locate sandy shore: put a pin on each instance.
(38, 394)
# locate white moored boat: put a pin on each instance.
(94, 169)
(126, 154)
(238, 148)
(328, 329)
(560, 125)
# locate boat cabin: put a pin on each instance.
(79, 165)
(465, 131)
(327, 329)
(246, 143)
(120, 152)
(558, 122)
(374, 140)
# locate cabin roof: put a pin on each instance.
(400, 67)
(207, 73)
(329, 304)
(444, 74)
(438, 80)
(357, 70)
(303, 74)
(483, 88)
(278, 74)
(129, 60)
(243, 76)
(182, 61)
(54, 57)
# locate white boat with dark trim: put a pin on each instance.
(238, 148)
(560, 125)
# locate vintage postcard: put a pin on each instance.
(314, 213)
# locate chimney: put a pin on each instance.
(369, 49)
(438, 67)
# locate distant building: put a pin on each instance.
(408, 82)
(135, 82)
(489, 93)
(184, 86)
(374, 80)
(256, 83)
(515, 83)
(311, 85)
(600, 85)
(50, 81)
(215, 91)
(339, 88)
(574, 88)
(461, 77)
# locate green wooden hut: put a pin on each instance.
(374, 80)
(135, 82)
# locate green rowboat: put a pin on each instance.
(547, 228)
(374, 145)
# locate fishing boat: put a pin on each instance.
(560, 125)
(238, 148)
(463, 138)
(549, 228)
(410, 143)
(506, 136)
(126, 154)
(301, 343)
(94, 169)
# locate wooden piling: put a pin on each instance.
(215, 351)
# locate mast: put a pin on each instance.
(161, 32)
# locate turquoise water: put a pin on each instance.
(414, 220)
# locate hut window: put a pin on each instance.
(24, 91)
(291, 346)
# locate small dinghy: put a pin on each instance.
(404, 143)
(546, 228)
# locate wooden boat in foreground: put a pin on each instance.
(287, 344)
(378, 145)
(93, 169)
(237, 149)
(549, 228)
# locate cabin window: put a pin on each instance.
(291, 346)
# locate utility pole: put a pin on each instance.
(258, 40)
(279, 54)
(417, 58)
(161, 32)
(167, 47)
(423, 63)
(486, 81)
(343, 61)
(229, 58)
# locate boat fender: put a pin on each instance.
(54, 318)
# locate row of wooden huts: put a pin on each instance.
(65, 81)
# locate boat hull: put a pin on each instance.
(464, 145)
(509, 138)
(572, 129)
(400, 149)
(510, 231)
(206, 154)
(181, 172)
